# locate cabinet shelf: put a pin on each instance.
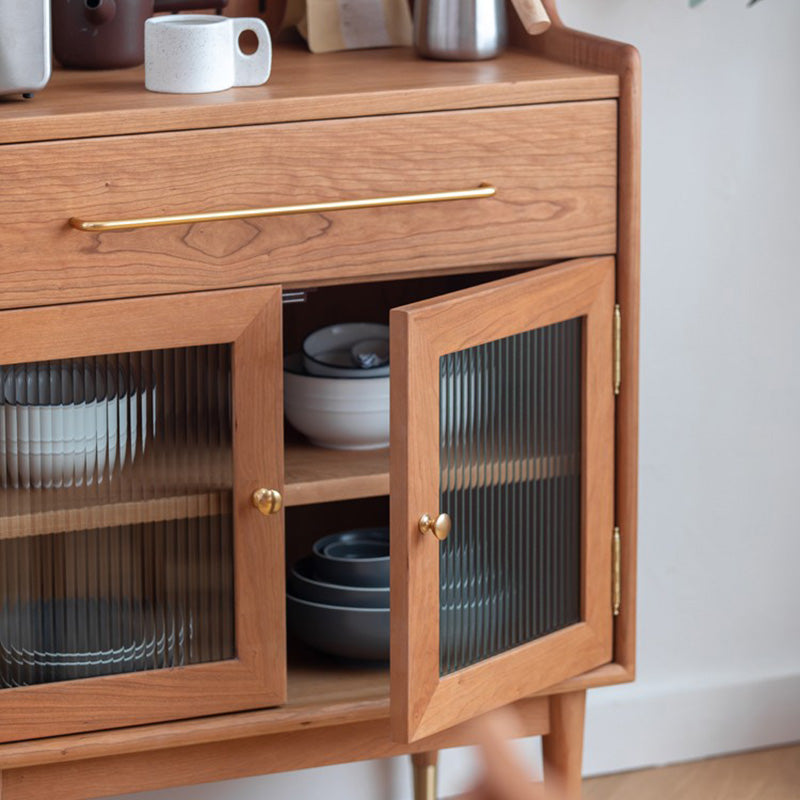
(142, 492)
(317, 475)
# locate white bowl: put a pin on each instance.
(337, 413)
(73, 438)
(328, 351)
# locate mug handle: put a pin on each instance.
(253, 69)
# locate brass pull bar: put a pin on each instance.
(484, 190)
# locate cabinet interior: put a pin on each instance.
(314, 474)
(312, 673)
(329, 490)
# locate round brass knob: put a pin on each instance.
(267, 501)
(439, 527)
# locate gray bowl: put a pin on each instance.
(360, 633)
(304, 585)
(350, 564)
(356, 550)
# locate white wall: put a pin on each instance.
(719, 603)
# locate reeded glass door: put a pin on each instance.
(502, 532)
(137, 582)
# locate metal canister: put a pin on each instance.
(460, 30)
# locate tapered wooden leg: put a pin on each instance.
(425, 774)
(562, 748)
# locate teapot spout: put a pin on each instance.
(98, 12)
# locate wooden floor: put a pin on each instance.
(762, 775)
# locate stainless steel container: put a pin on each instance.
(459, 30)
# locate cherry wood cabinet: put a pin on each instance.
(489, 212)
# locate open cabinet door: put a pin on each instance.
(503, 420)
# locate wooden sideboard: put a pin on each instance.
(91, 167)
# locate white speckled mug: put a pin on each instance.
(195, 53)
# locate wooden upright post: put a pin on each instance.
(562, 748)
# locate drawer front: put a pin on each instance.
(555, 169)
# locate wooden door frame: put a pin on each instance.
(422, 701)
(249, 320)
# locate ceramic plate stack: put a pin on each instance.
(68, 423)
(336, 391)
(46, 641)
(338, 598)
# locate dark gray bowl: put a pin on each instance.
(356, 550)
(343, 566)
(304, 585)
(360, 633)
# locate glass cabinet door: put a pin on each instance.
(502, 521)
(137, 581)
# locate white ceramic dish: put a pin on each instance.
(329, 351)
(337, 413)
(48, 445)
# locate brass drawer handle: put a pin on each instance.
(439, 527)
(484, 190)
(267, 501)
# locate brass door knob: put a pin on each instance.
(439, 527)
(267, 501)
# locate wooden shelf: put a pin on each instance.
(316, 475)
(76, 104)
(142, 492)
(312, 475)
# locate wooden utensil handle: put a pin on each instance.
(533, 14)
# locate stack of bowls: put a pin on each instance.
(338, 597)
(63, 423)
(336, 391)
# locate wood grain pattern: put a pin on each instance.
(554, 168)
(258, 755)
(319, 695)
(16, 522)
(577, 48)
(119, 502)
(316, 475)
(257, 678)
(424, 703)
(562, 748)
(761, 775)
(76, 104)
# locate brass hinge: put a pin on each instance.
(616, 572)
(617, 348)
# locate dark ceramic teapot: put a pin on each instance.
(108, 34)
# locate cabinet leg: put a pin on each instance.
(562, 748)
(424, 765)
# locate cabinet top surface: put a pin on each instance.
(78, 104)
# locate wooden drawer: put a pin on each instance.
(554, 166)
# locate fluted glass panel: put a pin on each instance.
(116, 534)
(510, 455)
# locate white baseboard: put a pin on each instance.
(636, 726)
